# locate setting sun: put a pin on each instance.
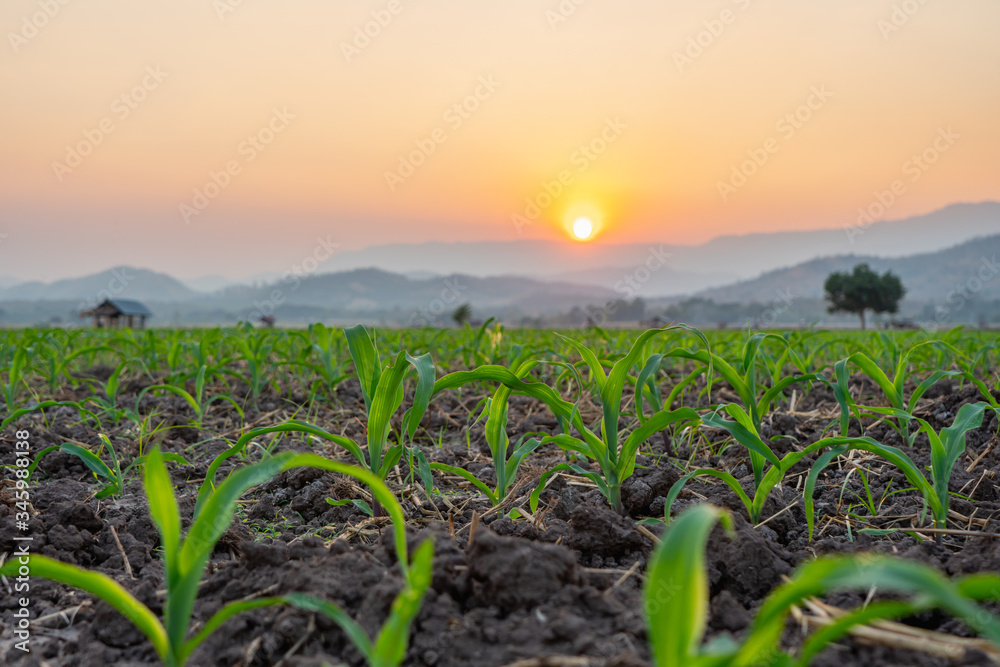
(583, 228)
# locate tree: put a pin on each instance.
(462, 314)
(863, 290)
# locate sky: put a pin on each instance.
(226, 136)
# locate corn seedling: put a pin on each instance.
(113, 475)
(20, 412)
(383, 391)
(56, 362)
(615, 456)
(743, 379)
(745, 433)
(946, 448)
(254, 350)
(893, 388)
(676, 600)
(208, 486)
(185, 561)
(328, 348)
(15, 378)
(499, 443)
(197, 402)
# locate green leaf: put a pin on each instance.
(468, 476)
(366, 361)
(223, 615)
(655, 424)
(393, 639)
(514, 462)
(645, 383)
(744, 432)
(872, 370)
(166, 515)
(424, 366)
(596, 369)
(929, 588)
(101, 586)
(676, 592)
(96, 465)
(363, 506)
(388, 396)
(821, 463)
(726, 477)
(354, 632)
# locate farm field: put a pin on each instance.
(494, 497)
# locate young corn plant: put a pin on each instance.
(615, 455)
(745, 432)
(185, 560)
(15, 379)
(207, 487)
(109, 402)
(113, 475)
(327, 349)
(676, 600)
(20, 412)
(743, 379)
(498, 441)
(254, 350)
(198, 403)
(382, 387)
(946, 448)
(56, 362)
(893, 388)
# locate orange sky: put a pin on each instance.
(675, 119)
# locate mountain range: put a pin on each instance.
(971, 268)
(718, 262)
(429, 280)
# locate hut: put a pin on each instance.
(118, 312)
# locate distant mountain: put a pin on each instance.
(927, 277)
(429, 280)
(688, 268)
(362, 294)
(209, 283)
(371, 290)
(635, 280)
(7, 281)
(123, 281)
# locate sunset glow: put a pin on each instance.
(170, 132)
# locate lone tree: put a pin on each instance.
(862, 290)
(462, 314)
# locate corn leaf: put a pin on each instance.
(394, 637)
(676, 592)
(101, 586)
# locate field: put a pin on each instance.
(498, 497)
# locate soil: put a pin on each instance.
(566, 582)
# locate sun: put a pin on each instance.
(583, 228)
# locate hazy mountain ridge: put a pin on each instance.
(364, 290)
(359, 293)
(122, 281)
(927, 277)
(715, 263)
(567, 275)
